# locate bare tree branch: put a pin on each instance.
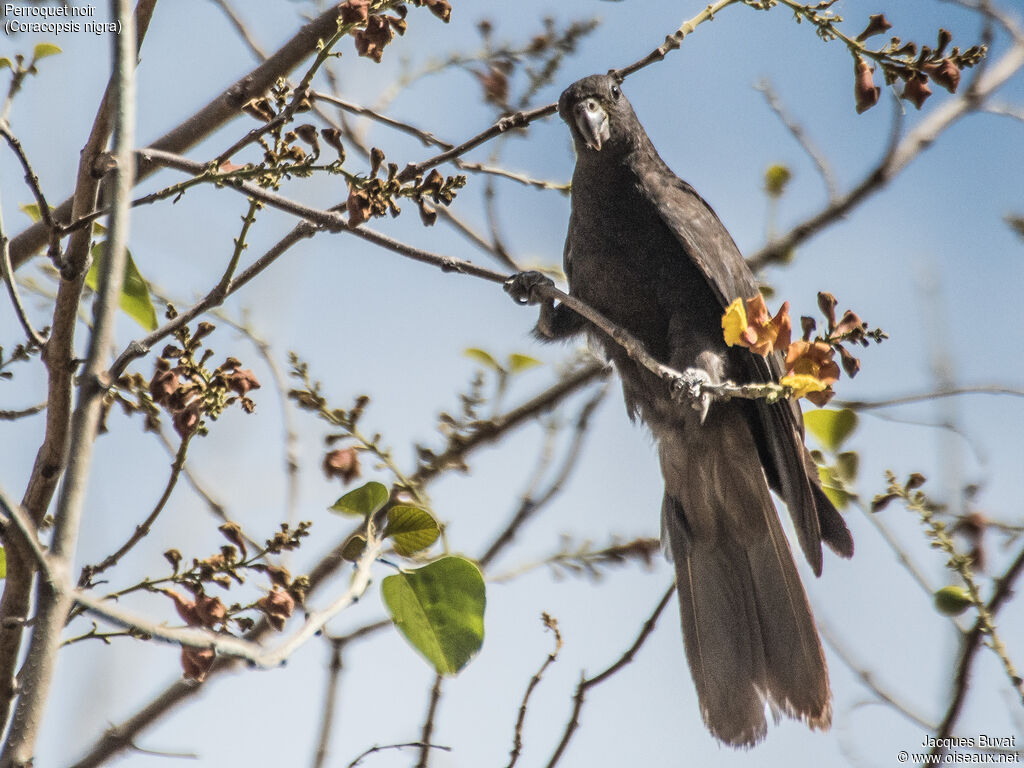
(428, 723)
(971, 644)
(61, 366)
(798, 133)
(119, 738)
(7, 273)
(141, 531)
(54, 600)
(330, 701)
(419, 744)
(45, 216)
(225, 107)
(867, 405)
(586, 683)
(904, 153)
(517, 736)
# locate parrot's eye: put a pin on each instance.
(616, 92)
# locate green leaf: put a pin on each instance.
(847, 465)
(517, 362)
(839, 498)
(833, 487)
(3, 563)
(411, 529)
(32, 211)
(354, 547)
(952, 600)
(775, 180)
(42, 50)
(831, 426)
(363, 501)
(482, 357)
(134, 299)
(440, 610)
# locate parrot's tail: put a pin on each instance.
(750, 637)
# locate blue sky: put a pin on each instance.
(929, 259)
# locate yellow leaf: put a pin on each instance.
(802, 384)
(734, 322)
(42, 50)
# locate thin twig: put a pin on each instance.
(421, 745)
(429, 139)
(972, 642)
(229, 645)
(517, 735)
(32, 180)
(330, 701)
(798, 133)
(486, 432)
(428, 723)
(867, 677)
(241, 28)
(902, 154)
(902, 556)
(140, 347)
(1006, 110)
(223, 107)
(530, 504)
(867, 405)
(673, 41)
(291, 435)
(35, 339)
(215, 506)
(586, 683)
(507, 123)
(118, 738)
(142, 530)
(21, 413)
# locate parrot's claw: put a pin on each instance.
(522, 286)
(692, 383)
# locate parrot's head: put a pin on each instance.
(598, 115)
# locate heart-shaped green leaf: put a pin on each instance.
(440, 610)
(831, 426)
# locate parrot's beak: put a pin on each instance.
(592, 123)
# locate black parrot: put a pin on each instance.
(646, 251)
